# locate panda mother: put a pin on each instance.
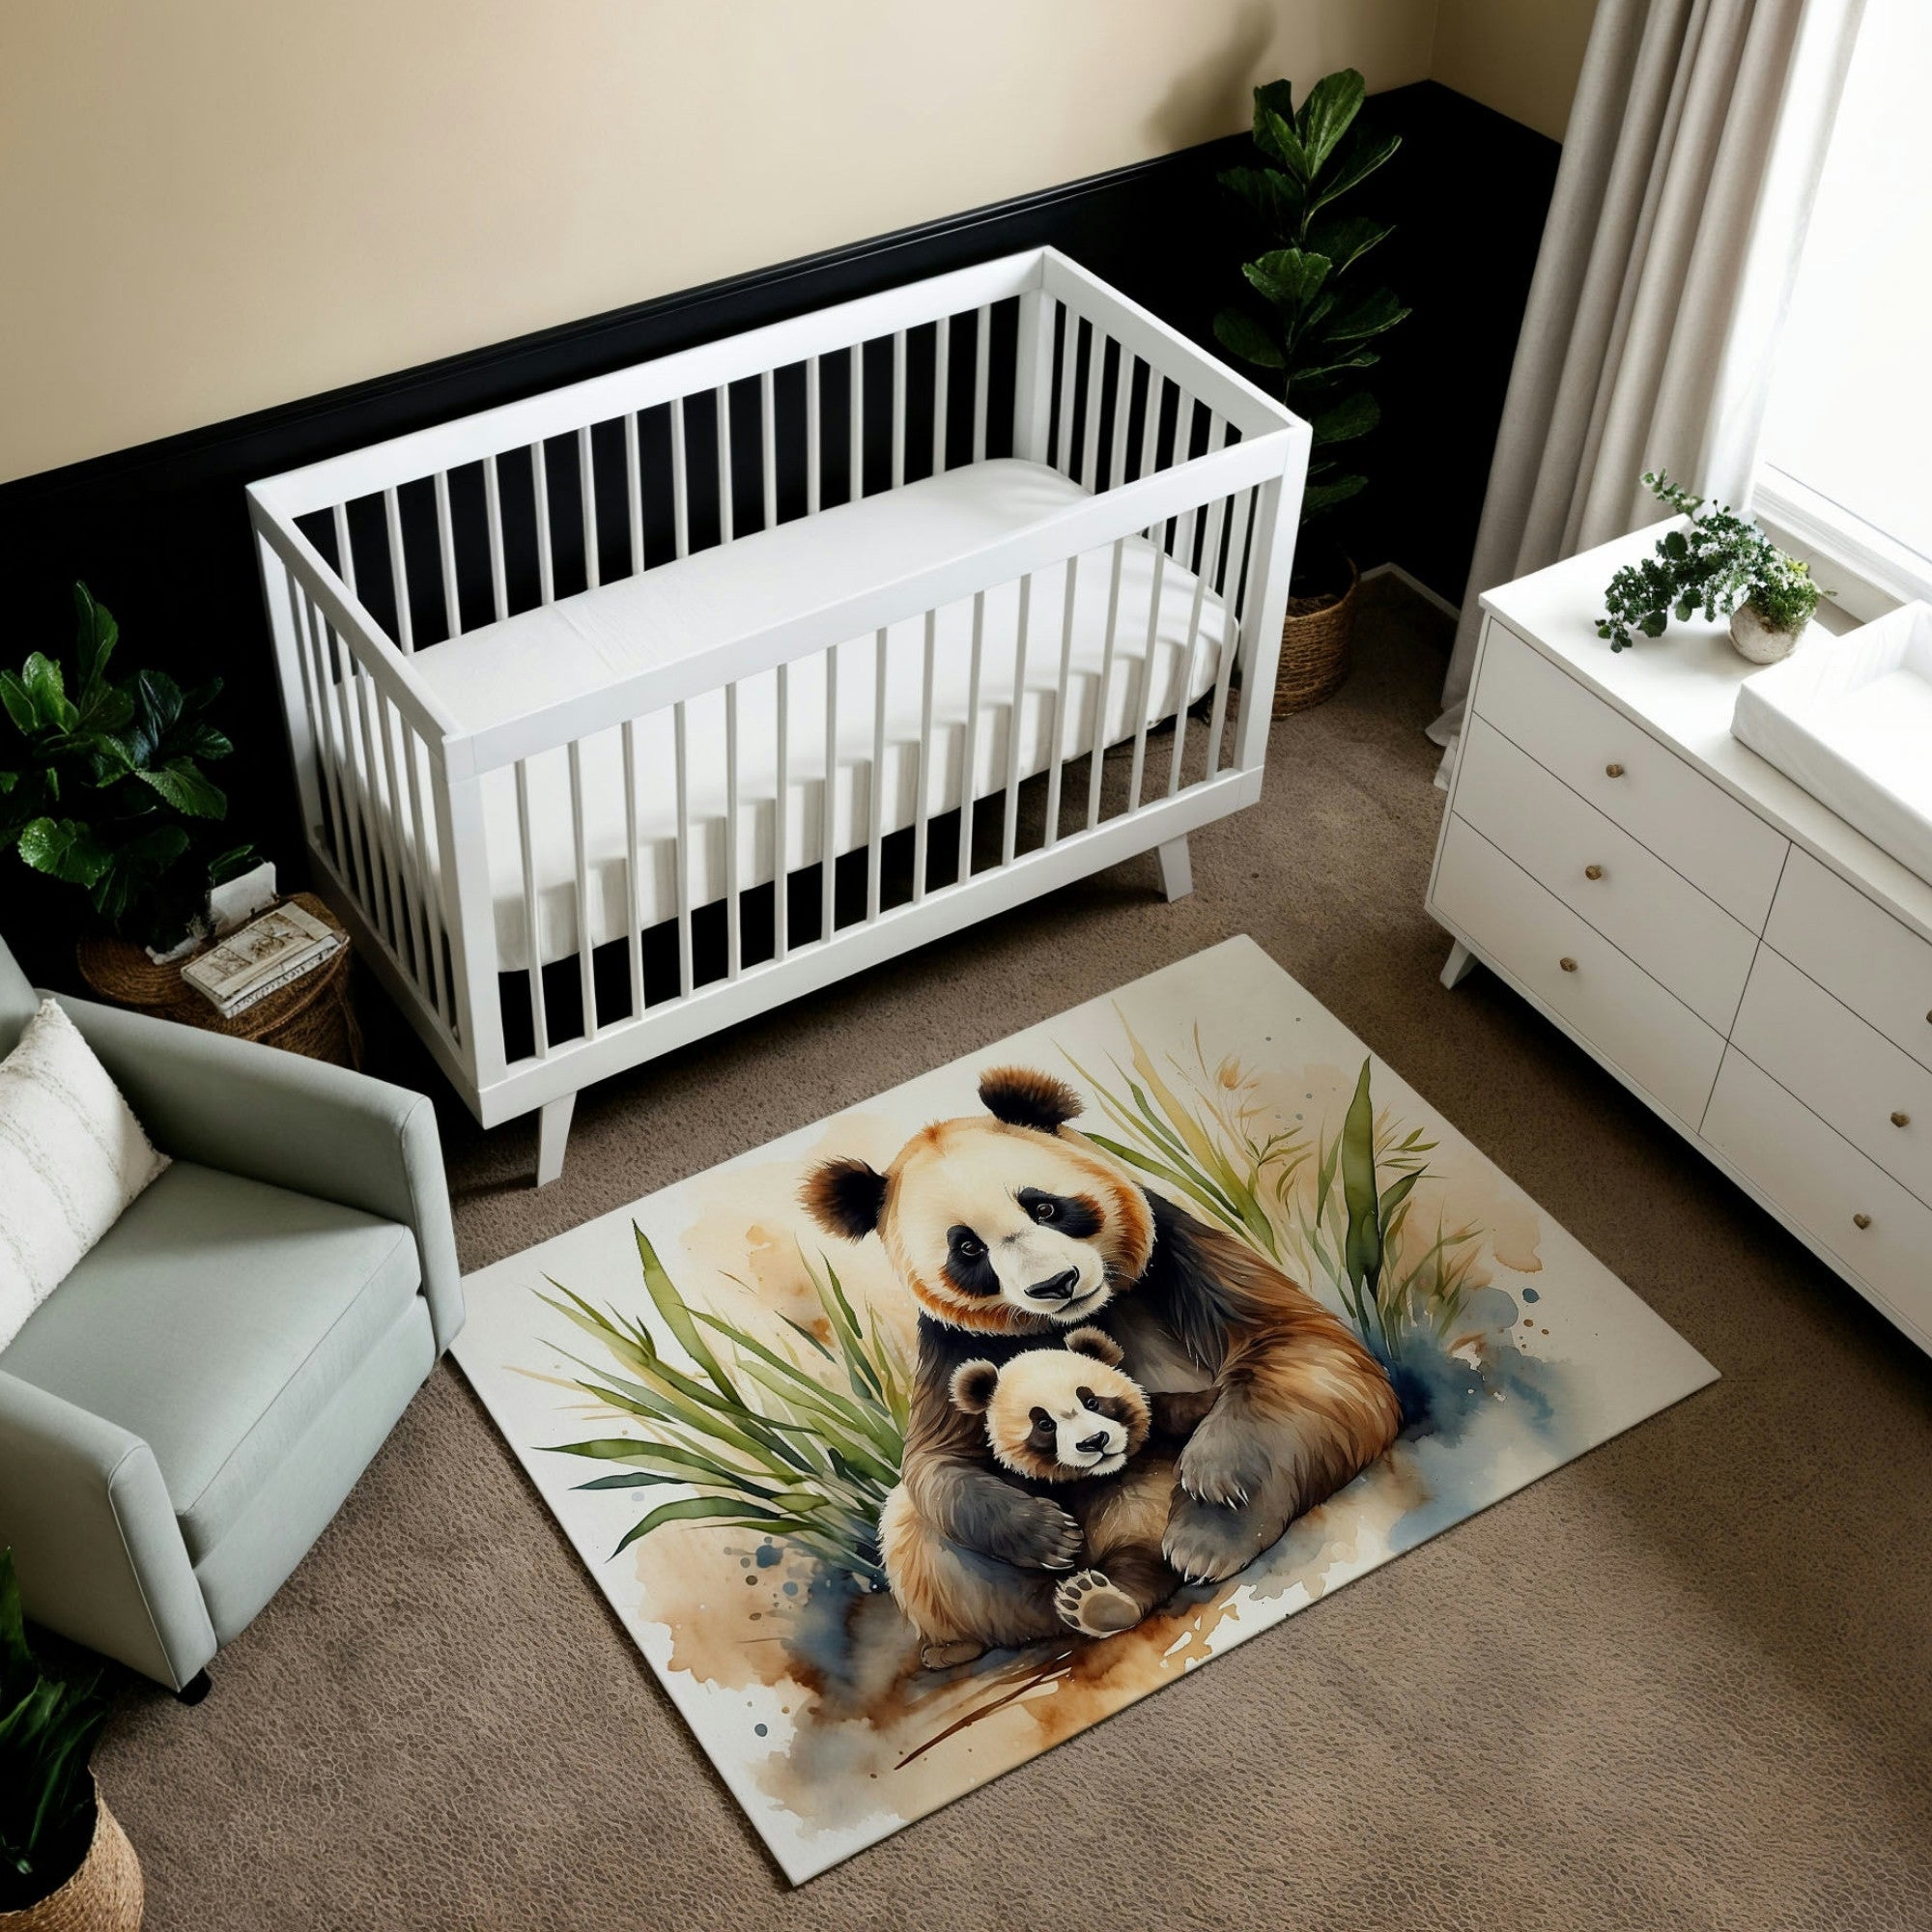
(1007, 1227)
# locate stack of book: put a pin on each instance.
(261, 958)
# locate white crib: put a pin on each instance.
(633, 709)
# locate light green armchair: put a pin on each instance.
(182, 1417)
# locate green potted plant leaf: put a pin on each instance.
(1719, 563)
(102, 785)
(65, 1862)
(1311, 333)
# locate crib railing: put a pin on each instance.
(375, 557)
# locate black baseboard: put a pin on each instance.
(160, 531)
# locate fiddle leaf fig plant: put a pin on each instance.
(1312, 329)
(104, 787)
(1717, 562)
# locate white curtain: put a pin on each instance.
(1689, 169)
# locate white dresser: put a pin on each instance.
(1738, 955)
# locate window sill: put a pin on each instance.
(1864, 573)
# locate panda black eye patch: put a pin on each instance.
(1071, 1214)
(968, 1267)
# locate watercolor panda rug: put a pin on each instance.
(712, 1391)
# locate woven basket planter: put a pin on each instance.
(1317, 639)
(104, 1895)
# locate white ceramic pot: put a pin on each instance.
(1755, 641)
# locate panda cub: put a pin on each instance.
(1063, 1418)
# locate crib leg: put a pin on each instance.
(1459, 965)
(552, 1130)
(1176, 874)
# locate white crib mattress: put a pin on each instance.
(584, 641)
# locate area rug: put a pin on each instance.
(712, 1388)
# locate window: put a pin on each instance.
(1847, 453)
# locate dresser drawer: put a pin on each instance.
(1676, 934)
(1880, 968)
(1882, 1234)
(1631, 1020)
(1687, 820)
(1878, 1097)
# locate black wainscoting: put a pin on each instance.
(162, 534)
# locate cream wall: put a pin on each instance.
(210, 206)
(1517, 56)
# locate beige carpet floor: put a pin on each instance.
(1683, 1682)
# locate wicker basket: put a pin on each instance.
(104, 1895)
(1317, 639)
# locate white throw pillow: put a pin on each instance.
(72, 1158)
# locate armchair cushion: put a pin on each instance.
(214, 1321)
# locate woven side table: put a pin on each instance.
(312, 1015)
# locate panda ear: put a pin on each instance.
(844, 1197)
(1097, 1343)
(1022, 1097)
(973, 1386)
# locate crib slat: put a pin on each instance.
(970, 762)
(360, 853)
(1089, 430)
(586, 487)
(1055, 758)
(408, 929)
(921, 812)
(681, 737)
(1124, 396)
(322, 724)
(493, 511)
(399, 572)
(1098, 747)
(1069, 371)
(875, 810)
(580, 850)
(634, 892)
(680, 480)
(345, 551)
(857, 411)
(1188, 526)
(1010, 833)
(813, 454)
(1142, 684)
(898, 408)
(532, 924)
(782, 823)
(942, 370)
(982, 355)
(829, 801)
(1184, 672)
(1230, 627)
(1149, 421)
(725, 505)
(633, 490)
(734, 924)
(432, 900)
(768, 443)
(384, 895)
(540, 486)
(445, 546)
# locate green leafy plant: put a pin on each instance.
(1314, 332)
(1718, 561)
(47, 1731)
(802, 1446)
(105, 787)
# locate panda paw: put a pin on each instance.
(1206, 1543)
(1089, 1603)
(1033, 1533)
(1224, 1462)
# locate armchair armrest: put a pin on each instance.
(294, 1123)
(98, 1553)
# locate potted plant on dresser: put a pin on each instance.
(65, 1864)
(1311, 334)
(1721, 564)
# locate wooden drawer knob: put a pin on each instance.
(1862, 1220)
(1613, 771)
(1592, 871)
(1568, 965)
(1901, 1119)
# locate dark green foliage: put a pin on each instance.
(105, 789)
(1313, 334)
(47, 1732)
(1719, 562)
